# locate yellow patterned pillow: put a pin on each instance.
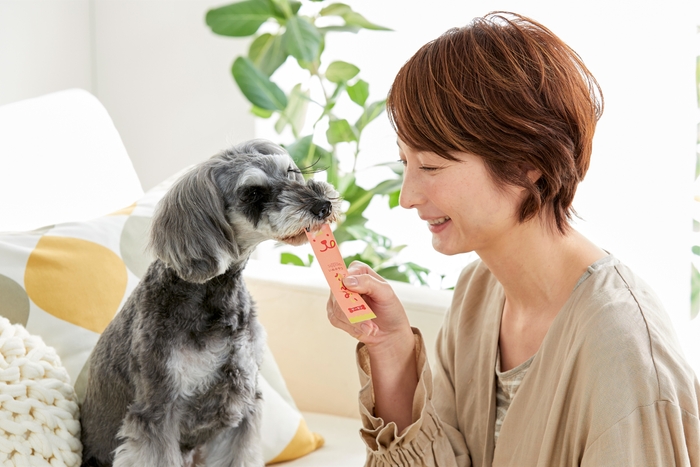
(66, 282)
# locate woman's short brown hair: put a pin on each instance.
(504, 88)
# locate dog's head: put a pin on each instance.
(220, 210)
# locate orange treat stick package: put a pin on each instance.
(326, 250)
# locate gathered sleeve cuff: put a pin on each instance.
(423, 442)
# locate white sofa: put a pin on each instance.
(61, 159)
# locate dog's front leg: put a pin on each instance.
(239, 446)
(150, 438)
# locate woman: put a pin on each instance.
(553, 352)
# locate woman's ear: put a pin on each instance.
(190, 232)
(532, 173)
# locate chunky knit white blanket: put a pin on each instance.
(39, 422)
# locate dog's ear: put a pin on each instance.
(190, 232)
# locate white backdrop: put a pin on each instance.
(636, 199)
(165, 81)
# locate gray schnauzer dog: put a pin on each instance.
(173, 379)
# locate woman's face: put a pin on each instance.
(464, 209)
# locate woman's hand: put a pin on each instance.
(389, 341)
(391, 322)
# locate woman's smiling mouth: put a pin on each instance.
(439, 221)
(437, 225)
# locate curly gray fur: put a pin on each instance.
(174, 376)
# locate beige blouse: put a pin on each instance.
(608, 387)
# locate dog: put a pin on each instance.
(173, 378)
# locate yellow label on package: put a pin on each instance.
(326, 251)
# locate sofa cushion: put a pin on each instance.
(57, 148)
(39, 422)
(344, 446)
(66, 282)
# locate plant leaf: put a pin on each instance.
(387, 186)
(301, 39)
(257, 87)
(239, 19)
(417, 268)
(289, 258)
(340, 131)
(336, 9)
(279, 12)
(371, 112)
(267, 53)
(359, 205)
(346, 183)
(360, 232)
(349, 259)
(342, 28)
(300, 150)
(296, 6)
(359, 92)
(283, 8)
(419, 273)
(394, 199)
(356, 19)
(395, 166)
(360, 198)
(340, 71)
(306, 154)
(351, 17)
(393, 273)
(262, 113)
(295, 112)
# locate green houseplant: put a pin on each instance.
(296, 31)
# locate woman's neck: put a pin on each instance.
(539, 267)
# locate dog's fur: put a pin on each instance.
(174, 376)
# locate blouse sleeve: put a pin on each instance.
(429, 441)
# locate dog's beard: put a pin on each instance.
(301, 238)
(295, 240)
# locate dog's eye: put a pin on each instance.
(254, 194)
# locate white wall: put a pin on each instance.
(165, 81)
(44, 47)
(162, 75)
(636, 199)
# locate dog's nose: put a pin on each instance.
(321, 209)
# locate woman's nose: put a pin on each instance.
(410, 196)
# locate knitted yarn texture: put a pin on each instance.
(39, 418)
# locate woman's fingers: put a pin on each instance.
(338, 319)
(374, 290)
(379, 296)
(358, 267)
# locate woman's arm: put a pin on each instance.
(395, 378)
(389, 341)
(400, 425)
